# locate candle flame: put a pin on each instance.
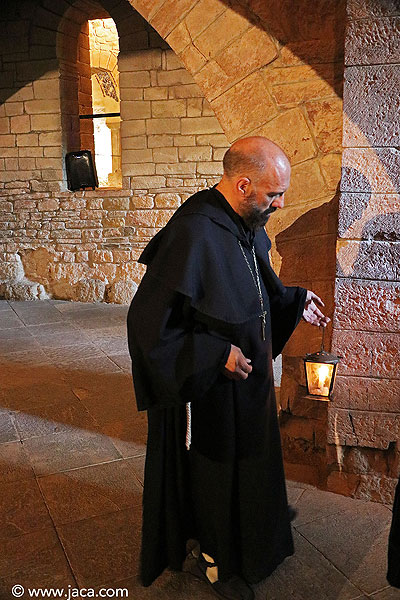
(323, 375)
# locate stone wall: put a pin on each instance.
(364, 419)
(350, 445)
(84, 246)
(171, 138)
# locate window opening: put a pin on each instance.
(105, 114)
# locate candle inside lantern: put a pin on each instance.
(320, 370)
(319, 378)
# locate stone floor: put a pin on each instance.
(72, 451)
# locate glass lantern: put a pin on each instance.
(320, 368)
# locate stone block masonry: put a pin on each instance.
(363, 424)
(84, 245)
(80, 246)
(169, 112)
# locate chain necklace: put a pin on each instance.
(257, 283)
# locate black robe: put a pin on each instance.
(196, 298)
(393, 574)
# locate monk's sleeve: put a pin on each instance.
(175, 358)
(286, 302)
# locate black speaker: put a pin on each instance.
(81, 170)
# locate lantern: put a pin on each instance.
(320, 368)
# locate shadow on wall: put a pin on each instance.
(310, 33)
(26, 25)
(308, 252)
(366, 227)
(368, 224)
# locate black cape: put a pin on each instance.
(196, 298)
(393, 574)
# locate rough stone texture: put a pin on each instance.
(368, 354)
(370, 104)
(12, 271)
(382, 299)
(121, 292)
(368, 259)
(373, 41)
(360, 9)
(23, 290)
(89, 291)
(371, 170)
(366, 393)
(369, 216)
(363, 429)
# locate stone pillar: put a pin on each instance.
(364, 418)
(114, 177)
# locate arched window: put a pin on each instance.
(88, 49)
(99, 98)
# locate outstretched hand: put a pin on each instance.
(312, 313)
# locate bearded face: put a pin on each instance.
(252, 214)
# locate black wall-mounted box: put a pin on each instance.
(81, 171)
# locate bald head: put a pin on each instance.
(256, 177)
(253, 157)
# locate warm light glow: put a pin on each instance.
(323, 376)
(319, 377)
(104, 48)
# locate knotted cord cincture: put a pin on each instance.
(188, 425)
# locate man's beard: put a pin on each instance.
(251, 214)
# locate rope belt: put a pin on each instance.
(188, 425)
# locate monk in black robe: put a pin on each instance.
(207, 320)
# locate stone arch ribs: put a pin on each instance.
(231, 47)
